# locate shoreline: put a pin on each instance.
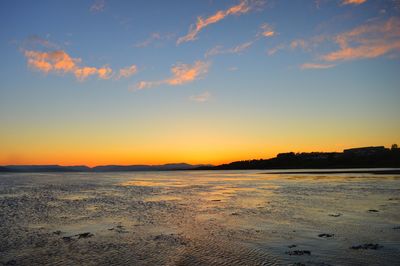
(370, 171)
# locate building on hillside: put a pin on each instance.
(365, 151)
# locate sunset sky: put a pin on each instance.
(153, 82)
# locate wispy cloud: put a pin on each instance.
(316, 66)
(127, 71)
(35, 40)
(373, 39)
(277, 48)
(307, 45)
(60, 62)
(201, 98)
(181, 74)
(98, 6)
(367, 41)
(234, 50)
(51, 61)
(153, 37)
(266, 30)
(353, 2)
(241, 8)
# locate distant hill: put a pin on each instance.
(365, 157)
(43, 168)
(164, 167)
(105, 168)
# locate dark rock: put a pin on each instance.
(335, 214)
(58, 232)
(326, 235)
(396, 227)
(85, 235)
(367, 246)
(292, 246)
(11, 262)
(298, 252)
(373, 210)
(234, 213)
(67, 238)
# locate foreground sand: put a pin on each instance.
(199, 218)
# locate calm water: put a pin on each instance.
(199, 218)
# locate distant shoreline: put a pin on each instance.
(281, 171)
(373, 157)
(369, 171)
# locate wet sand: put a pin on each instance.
(199, 218)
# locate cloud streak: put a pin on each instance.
(316, 66)
(127, 71)
(370, 40)
(241, 8)
(266, 30)
(153, 37)
(234, 50)
(201, 98)
(181, 74)
(353, 2)
(367, 41)
(60, 62)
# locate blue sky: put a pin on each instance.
(94, 82)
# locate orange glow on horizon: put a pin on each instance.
(149, 158)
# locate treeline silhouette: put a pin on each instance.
(366, 157)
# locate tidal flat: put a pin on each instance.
(199, 218)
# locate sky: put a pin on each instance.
(152, 82)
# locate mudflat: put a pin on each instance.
(200, 218)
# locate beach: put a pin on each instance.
(199, 218)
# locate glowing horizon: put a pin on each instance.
(197, 82)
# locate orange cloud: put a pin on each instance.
(104, 72)
(266, 30)
(181, 74)
(127, 71)
(61, 62)
(353, 2)
(316, 66)
(242, 7)
(48, 61)
(84, 72)
(42, 65)
(367, 41)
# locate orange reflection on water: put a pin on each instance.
(150, 183)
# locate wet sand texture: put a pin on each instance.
(199, 218)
